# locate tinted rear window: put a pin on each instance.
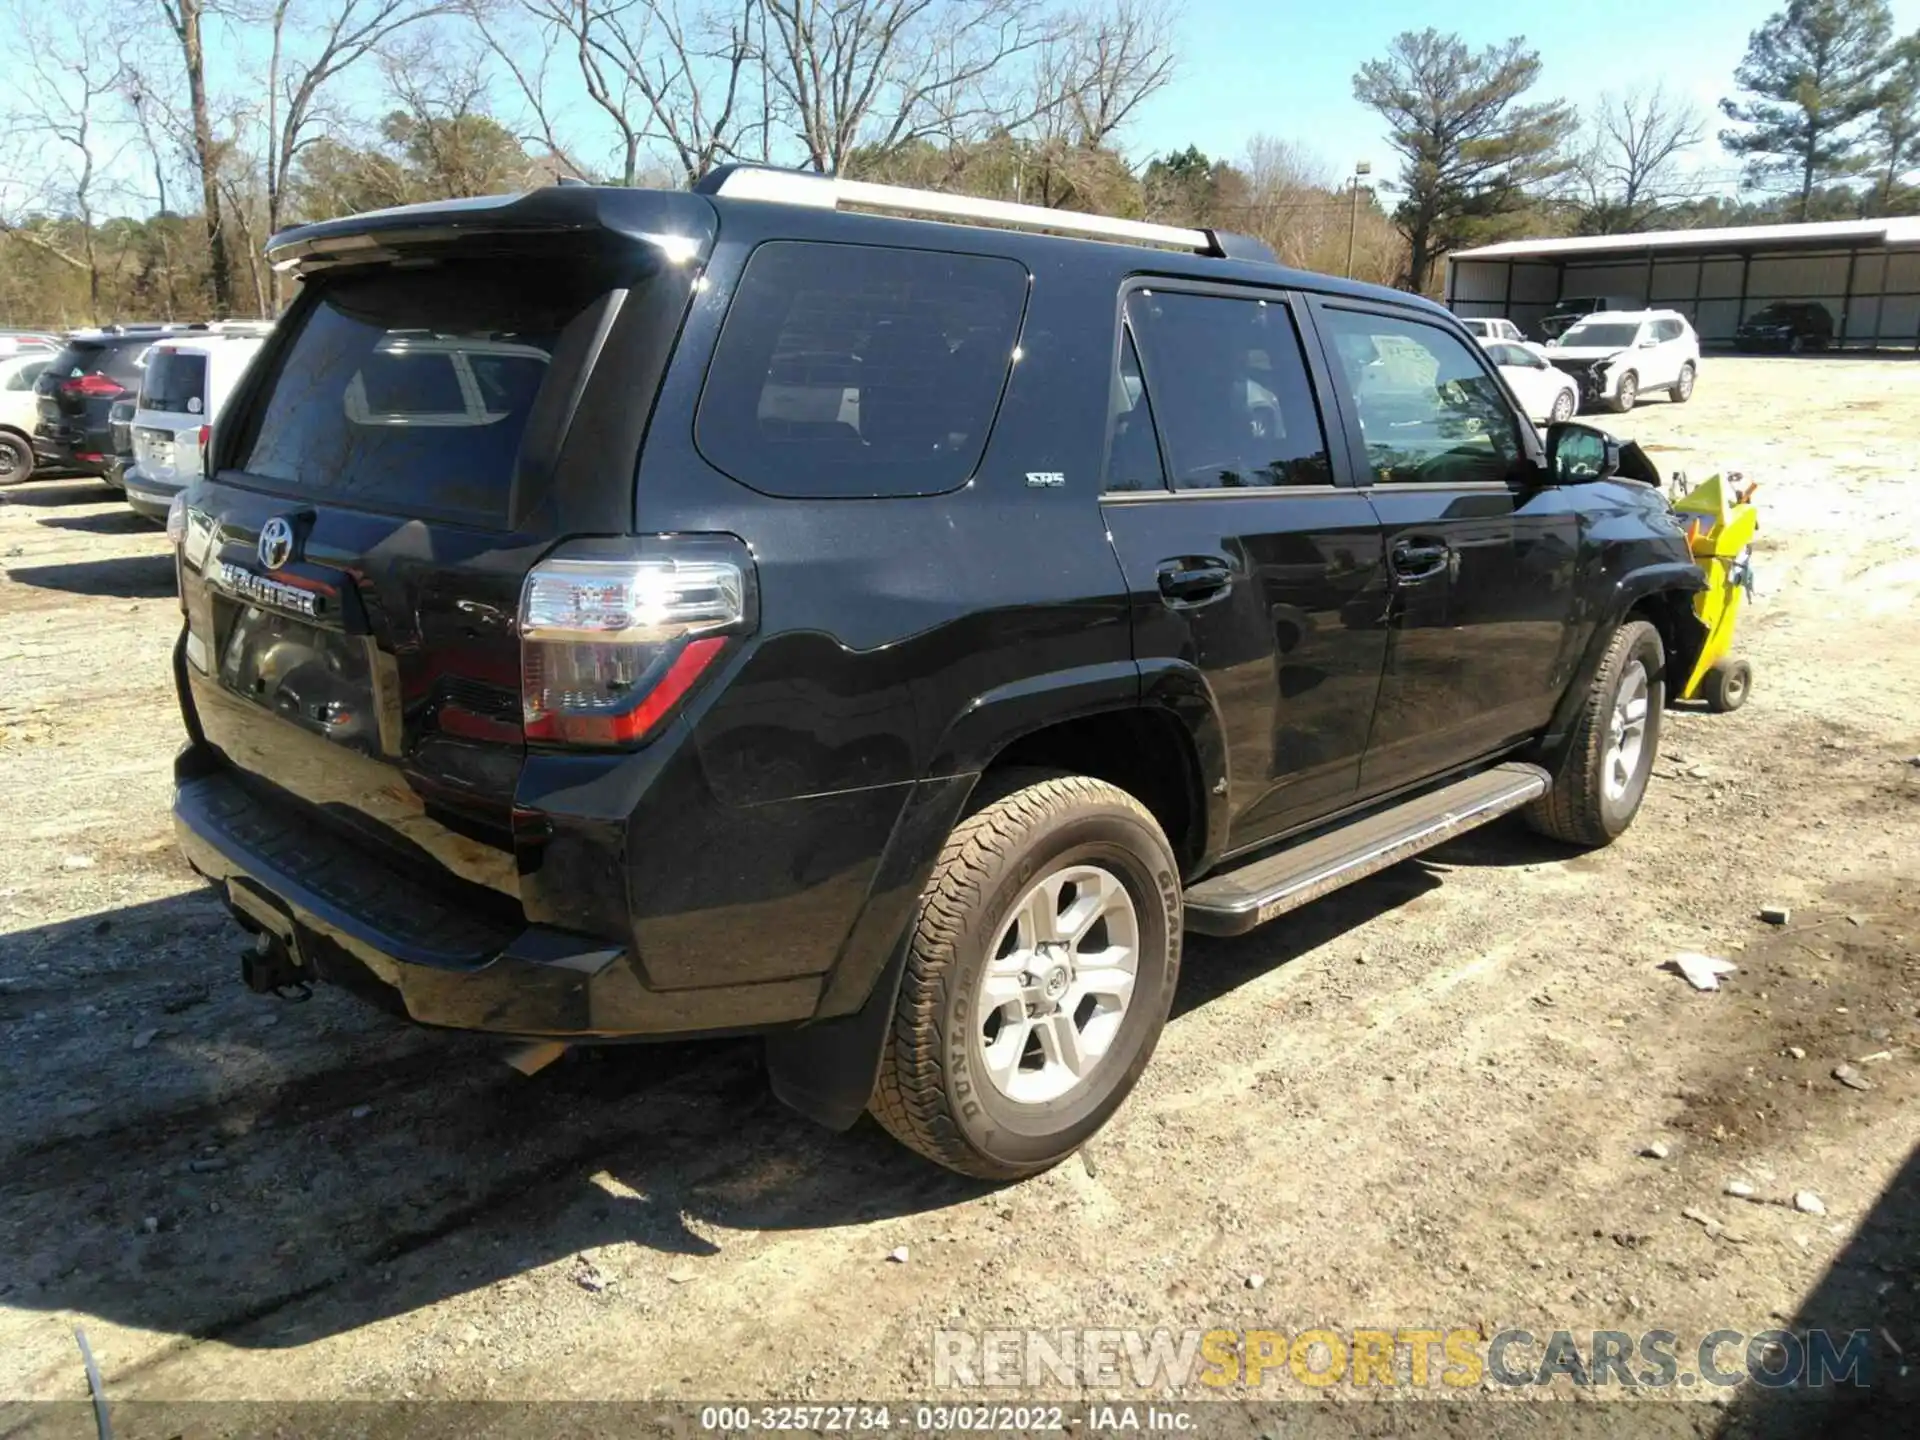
(408, 391)
(852, 370)
(175, 380)
(116, 360)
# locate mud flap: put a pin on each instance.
(826, 1071)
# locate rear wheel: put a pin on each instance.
(1682, 389)
(1725, 686)
(1627, 392)
(1038, 978)
(1603, 776)
(16, 459)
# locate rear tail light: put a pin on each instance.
(92, 386)
(615, 634)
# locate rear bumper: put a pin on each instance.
(360, 924)
(147, 496)
(59, 445)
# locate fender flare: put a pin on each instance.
(1678, 577)
(826, 1069)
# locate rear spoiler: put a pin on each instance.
(680, 224)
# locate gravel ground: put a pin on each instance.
(1424, 1102)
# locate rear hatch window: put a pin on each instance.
(407, 391)
(175, 381)
(117, 361)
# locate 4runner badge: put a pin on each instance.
(243, 584)
(1046, 479)
(276, 542)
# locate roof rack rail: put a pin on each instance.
(830, 192)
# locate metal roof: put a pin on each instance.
(1834, 234)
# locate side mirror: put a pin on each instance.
(1579, 453)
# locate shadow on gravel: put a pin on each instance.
(1871, 1286)
(131, 577)
(190, 1159)
(75, 490)
(111, 522)
(1210, 968)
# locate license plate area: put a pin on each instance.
(316, 678)
(154, 447)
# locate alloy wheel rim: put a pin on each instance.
(1057, 984)
(1686, 381)
(1626, 731)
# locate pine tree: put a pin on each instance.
(1896, 122)
(1813, 73)
(1470, 151)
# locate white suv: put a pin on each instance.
(184, 382)
(1620, 355)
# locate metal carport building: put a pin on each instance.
(1866, 272)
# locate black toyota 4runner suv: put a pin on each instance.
(617, 614)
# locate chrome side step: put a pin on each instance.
(1235, 901)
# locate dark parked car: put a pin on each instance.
(119, 441)
(1570, 310)
(1786, 325)
(614, 614)
(77, 391)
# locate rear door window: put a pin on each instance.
(1230, 391)
(853, 370)
(408, 391)
(175, 381)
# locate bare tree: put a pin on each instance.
(184, 18)
(528, 60)
(1630, 168)
(1292, 199)
(74, 84)
(349, 32)
(1120, 58)
(1089, 75)
(139, 97)
(663, 75)
(869, 76)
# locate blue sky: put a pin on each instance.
(1287, 70)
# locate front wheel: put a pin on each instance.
(16, 459)
(1627, 392)
(1563, 407)
(1038, 978)
(1682, 389)
(1609, 757)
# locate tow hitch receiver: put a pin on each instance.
(269, 968)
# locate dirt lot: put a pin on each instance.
(1423, 1102)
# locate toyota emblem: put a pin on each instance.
(276, 543)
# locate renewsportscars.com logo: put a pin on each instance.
(1456, 1358)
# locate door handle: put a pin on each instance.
(1421, 562)
(1189, 582)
